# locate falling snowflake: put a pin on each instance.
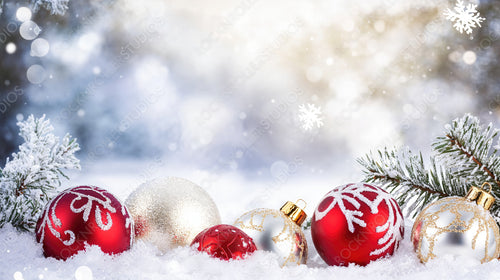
(310, 116)
(464, 17)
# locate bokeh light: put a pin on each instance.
(29, 30)
(23, 14)
(83, 273)
(36, 74)
(40, 47)
(10, 48)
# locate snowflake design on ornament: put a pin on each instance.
(310, 116)
(464, 17)
(353, 193)
(52, 221)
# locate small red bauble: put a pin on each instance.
(84, 215)
(356, 223)
(225, 242)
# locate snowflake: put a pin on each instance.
(465, 17)
(310, 116)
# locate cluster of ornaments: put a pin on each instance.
(353, 224)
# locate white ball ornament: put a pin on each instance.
(458, 226)
(170, 212)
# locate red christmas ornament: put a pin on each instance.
(356, 223)
(84, 215)
(225, 242)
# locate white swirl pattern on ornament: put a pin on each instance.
(99, 198)
(354, 192)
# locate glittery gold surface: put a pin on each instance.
(272, 231)
(171, 211)
(456, 226)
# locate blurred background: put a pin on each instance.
(265, 89)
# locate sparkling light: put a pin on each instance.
(36, 74)
(18, 275)
(23, 14)
(10, 48)
(29, 30)
(40, 47)
(469, 57)
(96, 70)
(83, 273)
(454, 56)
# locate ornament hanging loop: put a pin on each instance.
(303, 202)
(486, 183)
(480, 196)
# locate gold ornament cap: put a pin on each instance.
(480, 196)
(294, 212)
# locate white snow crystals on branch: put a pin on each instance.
(464, 17)
(29, 179)
(310, 116)
(55, 7)
(354, 194)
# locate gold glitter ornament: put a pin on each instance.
(277, 231)
(458, 226)
(170, 212)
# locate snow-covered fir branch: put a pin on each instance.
(467, 147)
(29, 180)
(463, 157)
(55, 7)
(405, 175)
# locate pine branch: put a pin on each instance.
(55, 7)
(467, 148)
(30, 179)
(463, 157)
(405, 176)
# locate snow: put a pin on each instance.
(21, 257)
